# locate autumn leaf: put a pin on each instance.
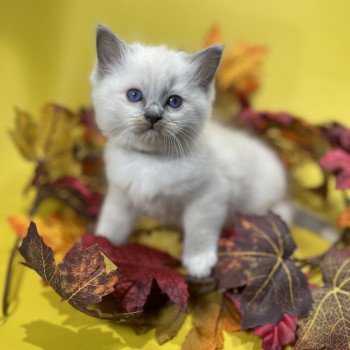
(48, 140)
(169, 321)
(338, 135)
(211, 317)
(338, 162)
(82, 278)
(276, 337)
(259, 261)
(59, 231)
(240, 65)
(328, 324)
(145, 274)
(344, 219)
(90, 199)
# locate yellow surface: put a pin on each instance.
(46, 53)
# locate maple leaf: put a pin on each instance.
(240, 65)
(82, 278)
(141, 267)
(275, 337)
(48, 141)
(59, 231)
(338, 162)
(328, 324)
(211, 317)
(259, 261)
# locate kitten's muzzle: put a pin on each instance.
(153, 117)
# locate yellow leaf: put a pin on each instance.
(211, 317)
(49, 140)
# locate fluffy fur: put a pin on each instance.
(186, 169)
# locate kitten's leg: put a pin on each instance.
(117, 217)
(203, 221)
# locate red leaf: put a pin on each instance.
(339, 136)
(257, 120)
(275, 337)
(141, 267)
(338, 162)
(92, 200)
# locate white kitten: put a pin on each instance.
(165, 158)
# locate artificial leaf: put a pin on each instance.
(328, 324)
(48, 141)
(338, 162)
(82, 278)
(240, 65)
(293, 138)
(89, 199)
(169, 320)
(344, 219)
(59, 231)
(259, 261)
(338, 135)
(211, 317)
(276, 337)
(145, 274)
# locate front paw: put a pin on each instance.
(200, 265)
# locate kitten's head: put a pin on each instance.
(150, 98)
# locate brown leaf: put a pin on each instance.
(212, 315)
(259, 261)
(328, 324)
(82, 279)
(169, 322)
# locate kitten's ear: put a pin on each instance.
(206, 63)
(110, 49)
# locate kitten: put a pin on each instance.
(164, 156)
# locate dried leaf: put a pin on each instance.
(259, 261)
(169, 322)
(83, 277)
(338, 162)
(48, 140)
(211, 317)
(276, 337)
(328, 324)
(59, 231)
(141, 267)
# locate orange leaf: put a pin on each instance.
(59, 232)
(211, 317)
(344, 219)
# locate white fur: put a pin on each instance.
(189, 171)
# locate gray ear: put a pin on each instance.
(206, 63)
(110, 49)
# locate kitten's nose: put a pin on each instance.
(152, 117)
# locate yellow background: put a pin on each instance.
(46, 54)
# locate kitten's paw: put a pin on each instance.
(200, 265)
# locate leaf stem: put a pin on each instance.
(8, 277)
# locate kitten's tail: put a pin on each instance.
(294, 214)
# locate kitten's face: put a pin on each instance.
(150, 98)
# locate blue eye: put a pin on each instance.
(134, 95)
(174, 101)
